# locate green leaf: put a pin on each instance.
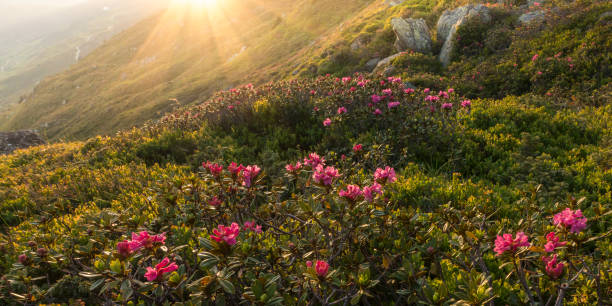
(96, 284)
(126, 290)
(226, 285)
(356, 298)
(206, 243)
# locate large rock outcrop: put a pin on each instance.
(530, 17)
(451, 20)
(11, 141)
(412, 34)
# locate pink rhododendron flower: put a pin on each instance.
(309, 264)
(535, 57)
(341, 110)
(123, 249)
(361, 84)
(325, 175)
(377, 112)
(392, 104)
(215, 201)
(23, 259)
(165, 266)
(214, 169)
(572, 219)
(432, 98)
(313, 160)
(227, 234)
(447, 106)
(553, 268)
(443, 94)
(144, 240)
(387, 92)
(327, 122)
(386, 175)
(408, 90)
(466, 103)
(376, 98)
(369, 192)
(346, 79)
(552, 242)
(293, 168)
(357, 148)
(352, 192)
(250, 225)
(451, 90)
(426, 90)
(248, 174)
(505, 242)
(235, 169)
(321, 267)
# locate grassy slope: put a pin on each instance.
(115, 87)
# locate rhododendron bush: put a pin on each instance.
(356, 190)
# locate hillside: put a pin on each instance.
(36, 41)
(181, 56)
(484, 181)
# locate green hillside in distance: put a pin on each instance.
(178, 57)
(42, 38)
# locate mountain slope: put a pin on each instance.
(39, 39)
(176, 56)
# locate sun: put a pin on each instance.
(206, 3)
(198, 3)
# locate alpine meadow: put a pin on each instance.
(314, 152)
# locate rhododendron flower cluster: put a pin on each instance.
(123, 249)
(369, 192)
(226, 234)
(215, 201)
(235, 169)
(293, 168)
(447, 106)
(357, 148)
(386, 175)
(327, 122)
(572, 219)
(325, 175)
(248, 174)
(376, 99)
(214, 169)
(466, 103)
(505, 243)
(352, 192)
(313, 160)
(393, 104)
(165, 266)
(144, 240)
(341, 110)
(250, 225)
(552, 242)
(553, 268)
(321, 267)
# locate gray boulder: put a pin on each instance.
(530, 17)
(371, 64)
(451, 20)
(386, 61)
(412, 34)
(11, 141)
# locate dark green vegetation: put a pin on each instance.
(525, 149)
